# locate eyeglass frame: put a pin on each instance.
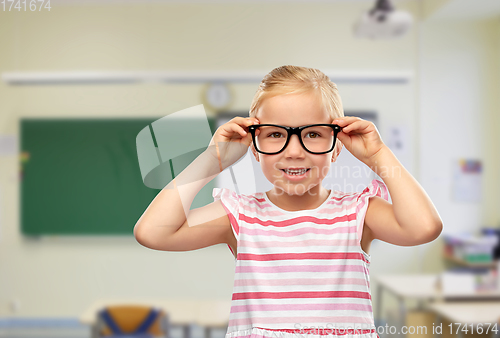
(295, 131)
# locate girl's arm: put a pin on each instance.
(169, 212)
(411, 219)
(169, 224)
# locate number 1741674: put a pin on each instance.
(25, 5)
(485, 328)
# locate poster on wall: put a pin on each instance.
(467, 180)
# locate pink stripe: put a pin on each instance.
(322, 331)
(254, 202)
(271, 212)
(345, 197)
(300, 307)
(268, 214)
(300, 231)
(299, 268)
(330, 208)
(298, 320)
(232, 220)
(301, 332)
(329, 211)
(306, 255)
(230, 198)
(299, 281)
(376, 188)
(301, 294)
(298, 220)
(309, 242)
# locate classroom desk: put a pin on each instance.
(468, 313)
(422, 287)
(209, 314)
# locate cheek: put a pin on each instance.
(321, 170)
(270, 169)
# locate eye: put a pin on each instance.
(275, 133)
(312, 134)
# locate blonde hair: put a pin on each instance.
(295, 80)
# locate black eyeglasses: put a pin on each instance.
(272, 139)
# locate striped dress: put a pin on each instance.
(300, 273)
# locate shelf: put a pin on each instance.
(193, 77)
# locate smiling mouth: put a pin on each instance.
(295, 171)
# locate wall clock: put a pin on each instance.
(217, 96)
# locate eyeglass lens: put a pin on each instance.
(271, 139)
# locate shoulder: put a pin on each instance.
(375, 188)
(360, 199)
(220, 193)
(230, 197)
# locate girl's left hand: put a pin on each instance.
(360, 137)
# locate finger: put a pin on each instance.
(238, 118)
(238, 129)
(342, 121)
(356, 126)
(245, 121)
(230, 129)
(251, 121)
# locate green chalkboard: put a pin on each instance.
(82, 176)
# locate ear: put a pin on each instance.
(336, 150)
(255, 153)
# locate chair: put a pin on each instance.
(132, 321)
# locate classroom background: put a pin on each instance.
(433, 94)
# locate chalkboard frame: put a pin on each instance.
(81, 176)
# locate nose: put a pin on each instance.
(294, 148)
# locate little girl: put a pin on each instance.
(302, 261)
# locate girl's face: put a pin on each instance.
(294, 111)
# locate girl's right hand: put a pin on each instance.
(232, 140)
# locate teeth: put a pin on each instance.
(295, 172)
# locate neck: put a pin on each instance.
(310, 200)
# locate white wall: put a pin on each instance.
(460, 74)
(459, 119)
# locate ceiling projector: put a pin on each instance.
(383, 22)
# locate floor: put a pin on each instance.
(70, 328)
